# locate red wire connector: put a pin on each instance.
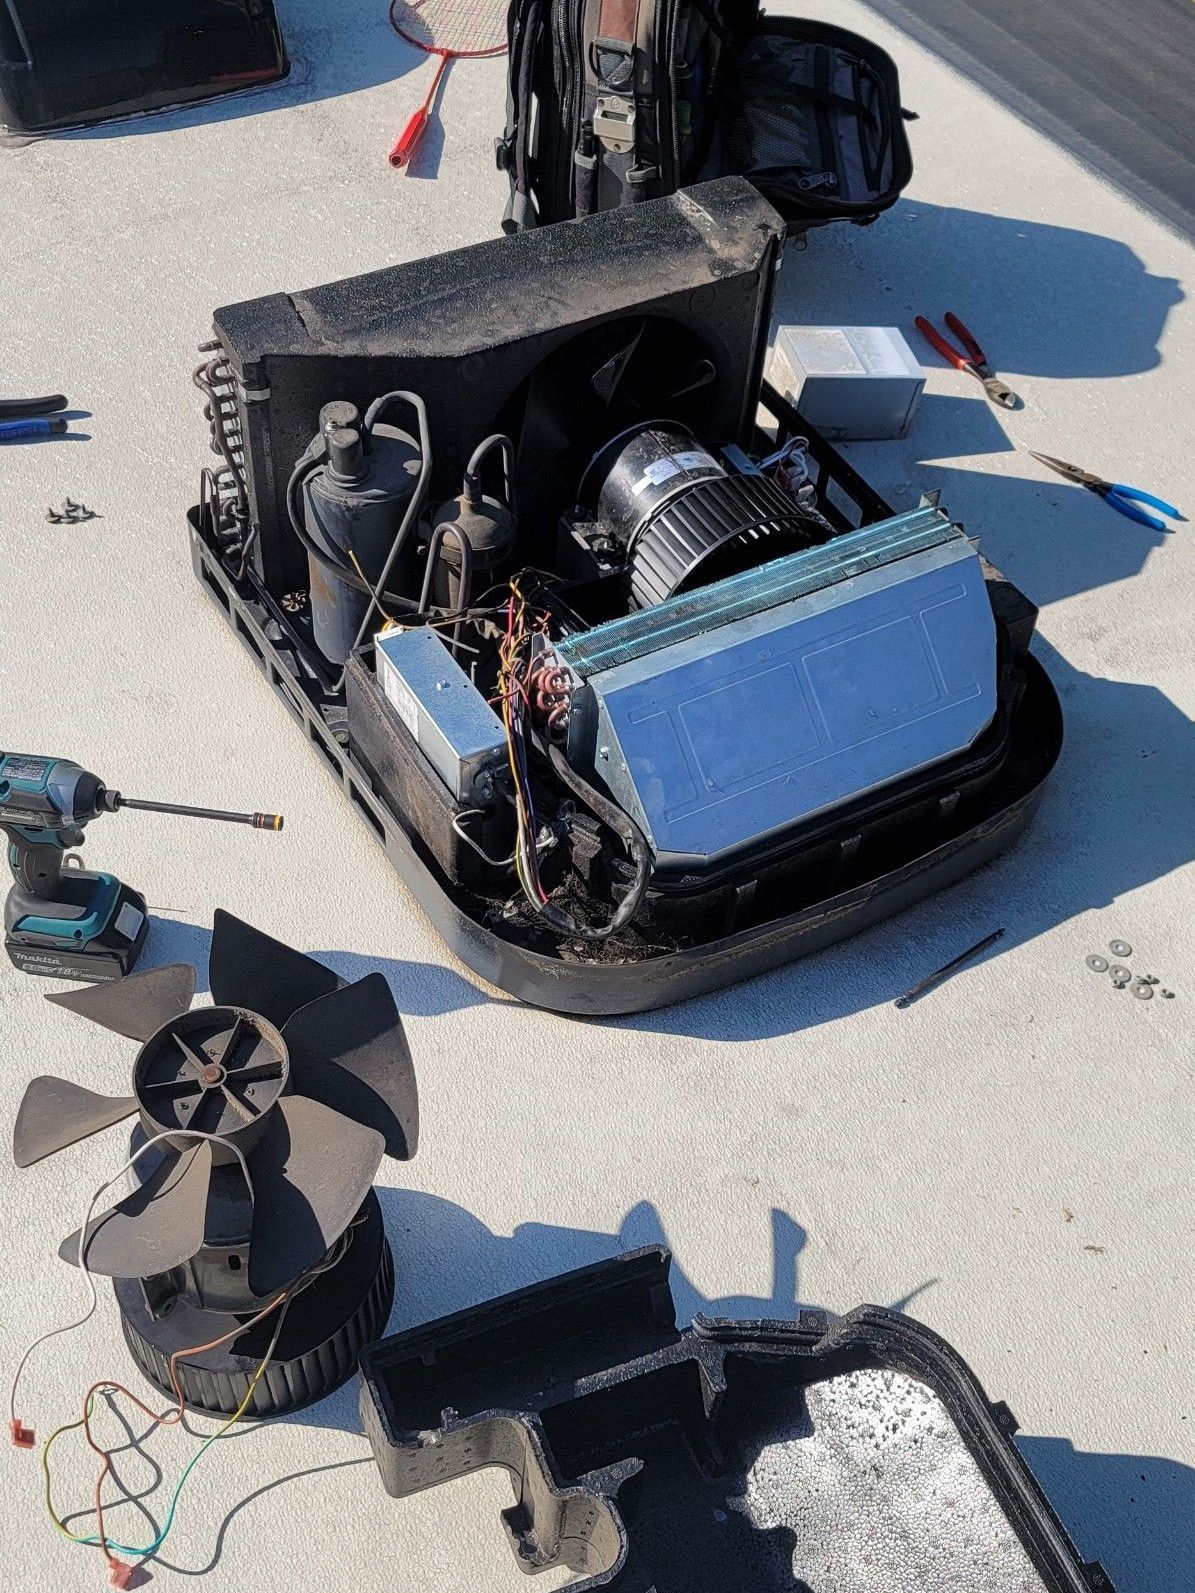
(121, 1574)
(23, 1437)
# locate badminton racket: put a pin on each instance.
(451, 29)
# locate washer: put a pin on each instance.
(1121, 976)
(1097, 964)
(1142, 991)
(1120, 948)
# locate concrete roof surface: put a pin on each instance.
(1010, 1158)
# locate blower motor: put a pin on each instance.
(683, 520)
(261, 1123)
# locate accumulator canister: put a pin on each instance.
(360, 483)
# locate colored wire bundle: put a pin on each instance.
(120, 1571)
(108, 1547)
(515, 703)
(519, 679)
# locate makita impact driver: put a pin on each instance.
(66, 922)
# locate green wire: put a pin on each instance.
(92, 1539)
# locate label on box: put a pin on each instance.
(403, 703)
(826, 351)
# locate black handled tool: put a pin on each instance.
(64, 922)
(23, 408)
(22, 418)
(924, 986)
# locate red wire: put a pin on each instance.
(167, 1419)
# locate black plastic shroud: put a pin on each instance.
(621, 1432)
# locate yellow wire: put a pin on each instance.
(373, 601)
(68, 1427)
(508, 658)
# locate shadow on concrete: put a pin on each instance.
(1111, 822)
(333, 50)
(1133, 1512)
(1136, 1513)
(1043, 300)
(1051, 539)
(422, 990)
(430, 150)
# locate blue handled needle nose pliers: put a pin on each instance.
(32, 417)
(1114, 493)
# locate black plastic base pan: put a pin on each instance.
(593, 989)
(848, 1455)
(326, 1328)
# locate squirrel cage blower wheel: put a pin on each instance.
(261, 1123)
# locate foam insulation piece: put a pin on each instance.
(880, 1494)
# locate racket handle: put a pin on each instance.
(405, 146)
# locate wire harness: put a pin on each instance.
(121, 1572)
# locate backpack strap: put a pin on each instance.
(619, 84)
(512, 150)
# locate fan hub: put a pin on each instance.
(212, 1070)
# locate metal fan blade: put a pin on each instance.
(311, 1171)
(348, 1051)
(157, 1227)
(54, 1113)
(137, 1006)
(249, 969)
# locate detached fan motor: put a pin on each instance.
(682, 518)
(306, 1083)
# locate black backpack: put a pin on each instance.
(611, 102)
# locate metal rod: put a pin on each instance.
(259, 821)
(928, 983)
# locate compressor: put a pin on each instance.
(362, 484)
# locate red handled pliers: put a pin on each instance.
(974, 361)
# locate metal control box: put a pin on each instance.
(731, 715)
(848, 381)
(457, 731)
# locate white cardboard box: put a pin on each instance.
(848, 381)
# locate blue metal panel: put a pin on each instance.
(750, 728)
